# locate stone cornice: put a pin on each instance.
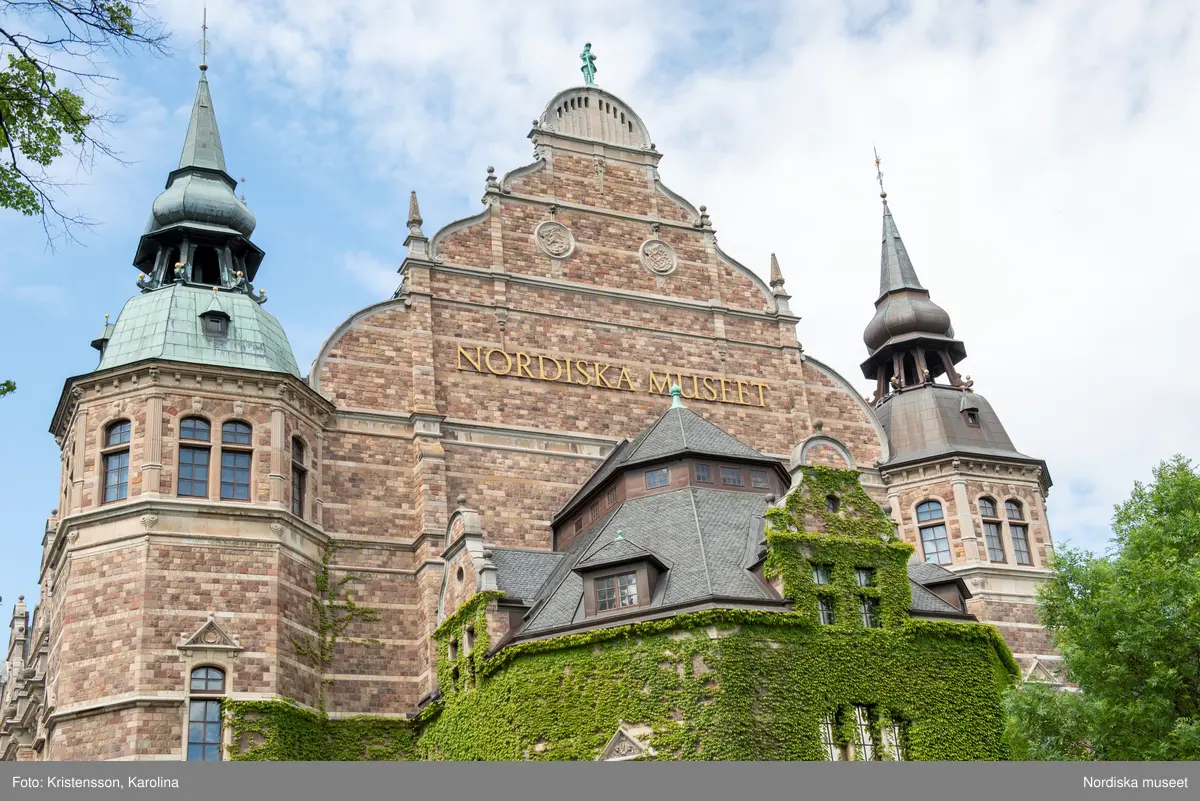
(163, 376)
(968, 466)
(148, 510)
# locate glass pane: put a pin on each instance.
(213, 711)
(1013, 508)
(930, 510)
(212, 753)
(196, 733)
(196, 710)
(118, 433)
(212, 733)
(195, 753)
(987, 508)
(235, 433)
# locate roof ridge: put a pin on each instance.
(700, 539)
(682, 432)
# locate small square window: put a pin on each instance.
(704, 473)
(215, 326)
(865, 576)
(822, 574)
(972, 418)
(832, 504)
(758, 478)
(731, 476)
(828, 618)
(657, 478)
(611, 498)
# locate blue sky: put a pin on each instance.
(1037, 157)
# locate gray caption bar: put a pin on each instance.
(662, 781)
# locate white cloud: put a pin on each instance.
(1037, 158)
(371, 272)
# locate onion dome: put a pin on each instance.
(199, 190)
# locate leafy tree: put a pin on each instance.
(1128, 626)
(6, 387)
(42, 41)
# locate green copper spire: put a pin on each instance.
(676, 397)
(202, 147)
(589, 65)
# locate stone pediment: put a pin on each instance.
(623, 747)
(210, 637)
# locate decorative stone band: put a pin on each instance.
(605, 375)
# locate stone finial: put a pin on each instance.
(705, 222)
(776, 273)
(493, 183)
(414, 216)
(461, 500)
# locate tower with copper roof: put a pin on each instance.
(959, 489)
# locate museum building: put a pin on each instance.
(579, 445)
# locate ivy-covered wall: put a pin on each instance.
(719, 684)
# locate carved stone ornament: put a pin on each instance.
(74, 535)
(622, 747)
(76, 392)
(554, 239)
(658, 257)
(148, 521)
(278, 529)
(211, 637)
(239, 408)
(197, 405)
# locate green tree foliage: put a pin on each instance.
(42, 43)
(1128, 626)
(6, 387)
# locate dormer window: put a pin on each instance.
(616, 592)
(758, 479)
(215, 324)
(972, 418)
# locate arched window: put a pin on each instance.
(194, 433)
(1013, 510)
(1019, 532)
(991, 530)
(204, 714)
(116, 461)
(299, 477)
(236, 458)
(935, 543)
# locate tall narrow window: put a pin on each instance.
(611, 497)
(299, 477)
(193, 457)
(870, 612)
(832, 503)
(991, 530)
(893, 741)
(1020, 538)
(204, 715)
(825, 606)
(828, 739)
(935, 543)
(116, 461)
(864, 741)
(235, 464)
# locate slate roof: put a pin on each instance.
(522, 573)
(927, 422)
(927, 601)
(678, 431)
(702, 535)
(927, 573)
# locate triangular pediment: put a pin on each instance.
(211, 637)
(1038, 673)
(622, 747)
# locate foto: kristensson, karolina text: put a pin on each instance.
(76, 783)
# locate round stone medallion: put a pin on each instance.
(658, 257)
(554, 239)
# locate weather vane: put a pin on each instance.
(204, 40)
(879, 173)
(589, 65)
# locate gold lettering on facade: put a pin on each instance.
(595, 373)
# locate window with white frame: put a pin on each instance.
(864, 738)
(206, 686)
(829, 745)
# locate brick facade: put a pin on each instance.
(401, 437)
